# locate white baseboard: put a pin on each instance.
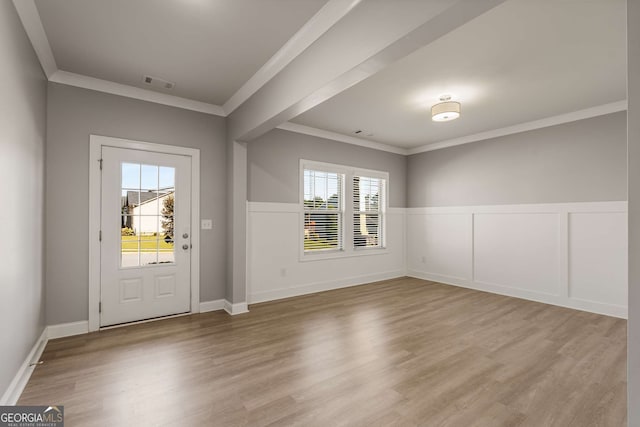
(207, 306)
(323, 286)
(237, 308)
(13, 392)
(67, 329)
(574, 303)
(572, 255)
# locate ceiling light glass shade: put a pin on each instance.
(445, 111)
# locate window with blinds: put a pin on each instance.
(323, 210)
(368, 194)
(342, 210)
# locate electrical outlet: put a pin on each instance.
(206, 224)
(283, 272)
(424, 259)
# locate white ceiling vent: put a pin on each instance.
(157, 82)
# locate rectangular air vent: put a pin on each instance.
(158, 82)
(361, 133)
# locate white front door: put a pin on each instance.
(145, 235)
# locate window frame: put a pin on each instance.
(340, 213)
(348, 211)
(381, 212)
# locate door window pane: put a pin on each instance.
(130, 175)
(129, 250)
(149, 177)
(147, 215)
(148, 252)
(166, 178)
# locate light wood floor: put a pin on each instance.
(402, 352)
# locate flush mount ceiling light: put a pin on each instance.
(446, 110)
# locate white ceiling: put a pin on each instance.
(522, 61)
(209, 48)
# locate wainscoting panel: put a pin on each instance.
(567, 254)
(517, 251)
(598, 257)
(275, 269)
(440, 244)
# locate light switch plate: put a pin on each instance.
(206, 224)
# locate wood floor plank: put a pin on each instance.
(402, 352)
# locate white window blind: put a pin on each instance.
(368, 200)
(323, 210)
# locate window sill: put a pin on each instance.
(321, 256)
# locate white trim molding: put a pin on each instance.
(567, 254)
(85, 82)
(331, 13)
(67, 329)
(237, 308)
(346, 209)
(313, 288)
(576, 304)
(215, 305)
(276, 271)
(587, 113)
(96, 142)
(335, 136)
(20, 380)
(32, 23)
(614, 206)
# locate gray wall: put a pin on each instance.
(274, 162)
(22, 147)
(74, 114)
(580, 161)
(633, 56)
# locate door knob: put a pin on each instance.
(185, 246)
(185, 236)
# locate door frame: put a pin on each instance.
(96, 142)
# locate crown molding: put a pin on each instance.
(587, 113)
(332, 12)
(321, 133)
(32, 24)
(324, 19)
(30, 18)
(85, 82)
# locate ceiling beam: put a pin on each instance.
(332, 12)
(372, 36)
(32, 24)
